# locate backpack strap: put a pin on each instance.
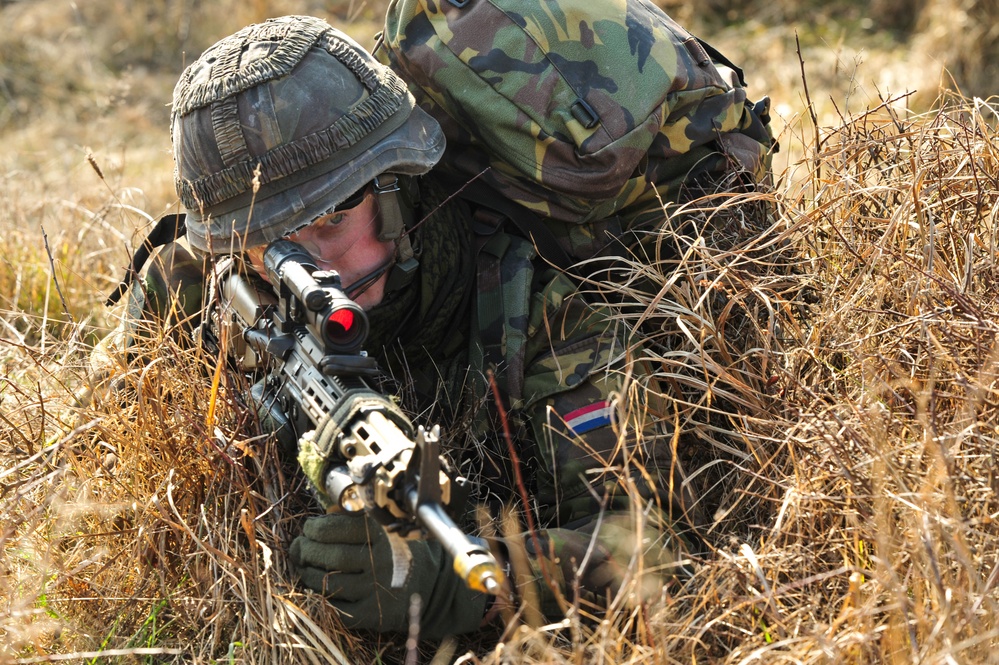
(491, 211)
(167, 229)
(718, 57)
(504, 276)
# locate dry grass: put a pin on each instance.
(832, 368)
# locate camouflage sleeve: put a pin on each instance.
(174, 287)
(166, 299)
(605, 481)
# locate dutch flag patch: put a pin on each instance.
(589, 417)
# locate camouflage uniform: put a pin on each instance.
(479, 305)
(558, 362)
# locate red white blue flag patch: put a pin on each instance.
(589, 417)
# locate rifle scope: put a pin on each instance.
(316, 298)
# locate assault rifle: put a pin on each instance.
(354, 443)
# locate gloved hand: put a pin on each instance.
(349, 558)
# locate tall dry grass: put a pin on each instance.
(835, 370)
(832, 371)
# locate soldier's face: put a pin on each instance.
(345, 241)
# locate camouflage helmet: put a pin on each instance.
(281, 122)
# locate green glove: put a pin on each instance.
(351, 560)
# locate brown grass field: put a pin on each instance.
(835, 369)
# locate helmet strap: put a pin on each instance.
(396, 220)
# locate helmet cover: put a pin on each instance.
(281, 122)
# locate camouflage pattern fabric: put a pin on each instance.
(560, 362)
(169, 299)
(574, 109)
(599, 498)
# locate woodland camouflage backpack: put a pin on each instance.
(585, 112)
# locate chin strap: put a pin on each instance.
(362, 284)
(397, 219)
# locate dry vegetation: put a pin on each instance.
(836, 368)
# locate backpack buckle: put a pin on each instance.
(584, 113)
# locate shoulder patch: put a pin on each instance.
(589, 417)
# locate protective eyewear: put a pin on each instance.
(332, 217)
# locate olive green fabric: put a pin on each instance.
(600, 499)
(351, 560)
(174, 285)
(574, 109)
(168, 299)
(554, 354)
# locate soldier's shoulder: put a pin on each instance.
(175, 279)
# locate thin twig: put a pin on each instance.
(811, 110)
(62, 298)
(521, 487)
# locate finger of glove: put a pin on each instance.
(340, 587)
(324, 582)
(295, 551)
(376, 611)
(449, 606)
(330, 557)
(348, 587)
(363, 589)
(362, 604)
(340, 528)
(455, 614)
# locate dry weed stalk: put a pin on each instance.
(150, 531)
(883, 548)
(831, 379)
